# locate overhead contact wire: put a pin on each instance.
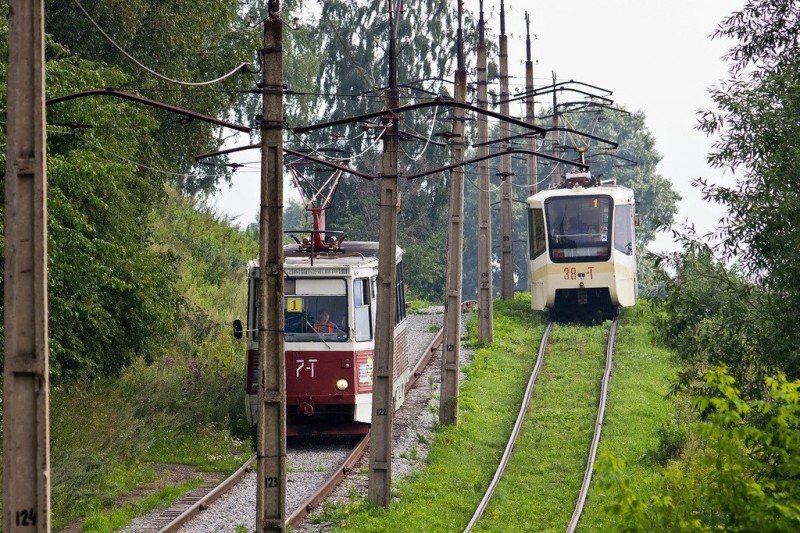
(151, 71)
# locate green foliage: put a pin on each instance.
(741, 477)
(713, 315)
(111, 294)
(192, 41)
(185, 407)
(737, 469)
(756, 105)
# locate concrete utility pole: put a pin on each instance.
(530, 112)
(555, 178)
(485, 301)
(451, 353)
(380, 457)
(26, 415)
(271, 478)
(506, 219)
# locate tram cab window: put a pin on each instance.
(315, 310)
(362, 307)
(624, 240)
(578, 228)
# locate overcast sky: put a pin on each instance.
(655, 56)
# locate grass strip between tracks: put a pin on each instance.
(543, 479)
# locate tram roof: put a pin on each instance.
(352, 253)
(618, 192)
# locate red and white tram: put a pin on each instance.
(329, 359)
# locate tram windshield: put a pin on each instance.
(578, 228)
(315, 310)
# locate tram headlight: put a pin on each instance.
(342, 384)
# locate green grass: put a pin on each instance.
(106, 520)
(637, 412)
(416, 306)
(106, 436)
(104, 446)
(546, 469)
(541, 485)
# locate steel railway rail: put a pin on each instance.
(521, 418)
(192, 504)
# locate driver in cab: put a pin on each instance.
(323, 324)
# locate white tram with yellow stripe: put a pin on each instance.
(582, 248)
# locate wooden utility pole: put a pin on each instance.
(451, 352)
(271, 478)
(485, 302)
(506, 219)
(530, 112)
(380, 457)
(26, 415)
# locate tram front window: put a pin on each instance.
(315, 317)
(578, 228)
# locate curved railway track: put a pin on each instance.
(505, 459)
(196, 501)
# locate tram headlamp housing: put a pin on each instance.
(342, 384)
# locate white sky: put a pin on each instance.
(656, 56)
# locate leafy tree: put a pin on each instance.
(742, 474)
(193, 41)
(112, 295)
(757, 108)
(353, 36)
(713, 316)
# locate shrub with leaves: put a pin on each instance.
(744, 474)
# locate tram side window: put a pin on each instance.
(363, 309)
(623, 229)
(400, 296)
(536, 232)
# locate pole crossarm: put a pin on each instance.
(568, 130)
(557, 88)
(437, 169)
(423, 105)
(335, 166)
(582, 104)
(496, 154)
(153, 103)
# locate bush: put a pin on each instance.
(743, 475)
